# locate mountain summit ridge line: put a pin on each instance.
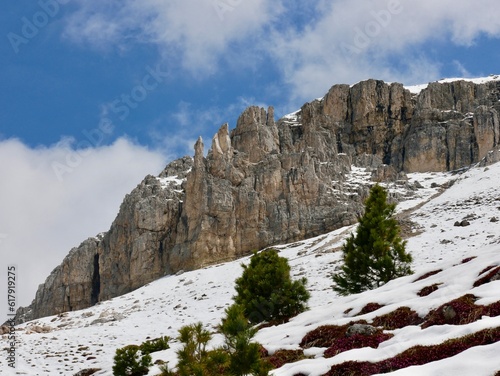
(271, 182)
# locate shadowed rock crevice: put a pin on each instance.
(96, 281)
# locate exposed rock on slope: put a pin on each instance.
(269, 182)
(445, 127)
(126, 257)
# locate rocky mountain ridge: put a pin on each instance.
(272, 182)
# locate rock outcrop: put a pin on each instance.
(132, 253)
(268, 182)
(445, 127)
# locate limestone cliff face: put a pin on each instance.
(126, 257)
(445, 127)
(70, 285)
(453, 125)
(268, 182)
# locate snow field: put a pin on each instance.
(76, 341)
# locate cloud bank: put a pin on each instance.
(312, 45)
(194, 33)
(385, 39)
(42, 215)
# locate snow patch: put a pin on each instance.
(416, 89)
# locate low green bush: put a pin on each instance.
(131, 361)
(154, 345)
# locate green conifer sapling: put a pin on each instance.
(377, 253)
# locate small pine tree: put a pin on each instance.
(194, 358)
(245, 356)
(130, 361)
(266, 292)
(377, 253)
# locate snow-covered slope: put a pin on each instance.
(84, 339)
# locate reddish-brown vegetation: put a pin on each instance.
(492, 310)
(417, 355)
(281, 357)
(356, 341)
(460, 311)
(427, 290)
(263, 352)
(486, 269)
(427, 275)
(323, 336)
(370, 307)
(494, 273)
(399, 318)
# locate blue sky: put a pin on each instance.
(97, 94)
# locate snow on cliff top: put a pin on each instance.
(416, 89)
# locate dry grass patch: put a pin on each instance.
(417, 355)
(397, 319)
(493, 275)
(427, 290)
(323, 336)
(427, 275)
(369, 308)
(282, 357)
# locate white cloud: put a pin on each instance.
(44, 217)
(312, 45)
(197, 32)
(354, 40)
